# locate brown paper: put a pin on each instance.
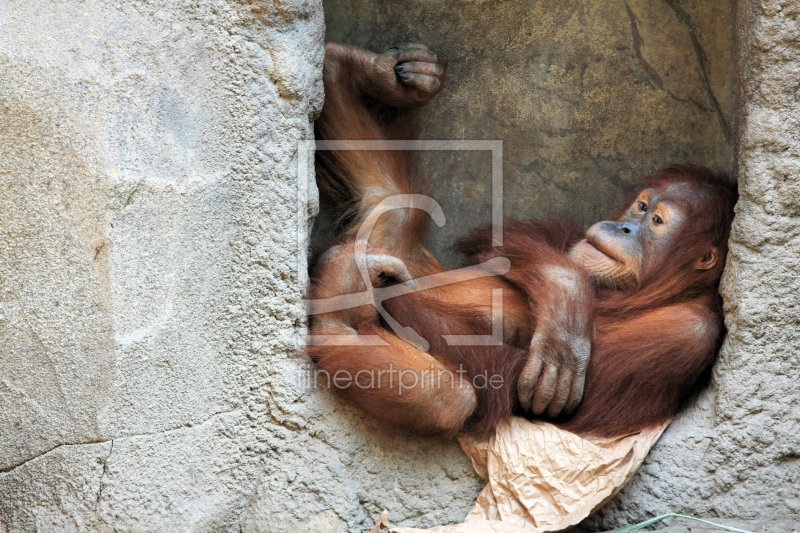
(541, 478)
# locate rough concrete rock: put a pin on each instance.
(151, 274)
(736, 452)
(152, 259)
(683, 525)
(586, 95)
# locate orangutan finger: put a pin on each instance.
(419, 67)
(405, 52)
(575, 394)
(561, 396)
(527, 381)
(428, 84)
(419, 46)
(545, 389)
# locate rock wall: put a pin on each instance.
(736, 453)
(151, 276)
(152, 253)
(586, 95)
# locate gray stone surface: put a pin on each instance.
(736, 453)
(586, 95)
(150, 281)
(150, 273)
(682, 525)
(583, 105)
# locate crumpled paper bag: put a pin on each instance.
(541, 478)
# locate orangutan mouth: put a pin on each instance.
(601, 249)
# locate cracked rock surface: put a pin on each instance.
(152, 256)
(736, 452)
(152, 252)
(586, 96)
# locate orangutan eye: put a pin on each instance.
(642, 206)
(657, 220)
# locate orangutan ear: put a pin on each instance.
(708, 260)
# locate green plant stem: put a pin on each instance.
(642, 525)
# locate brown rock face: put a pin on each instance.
(586, 97)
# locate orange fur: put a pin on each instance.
(654, 340)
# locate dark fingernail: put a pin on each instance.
(404, 75)
(399, 68)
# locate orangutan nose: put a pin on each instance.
(621, 229)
